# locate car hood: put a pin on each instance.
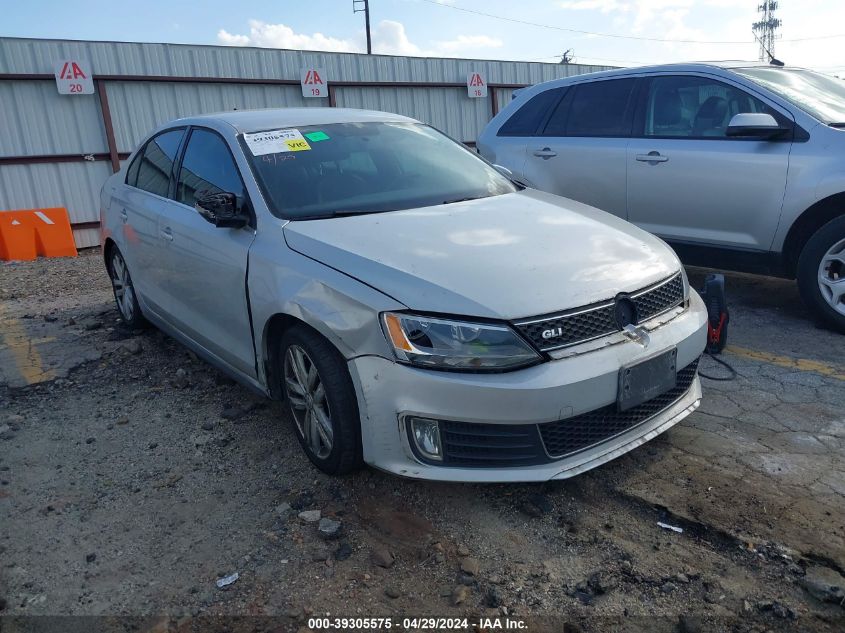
(505, 257)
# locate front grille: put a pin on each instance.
(578, 326)
(490, 445)
(659, 299)
(568, 436)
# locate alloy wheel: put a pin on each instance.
(832, 277)
(121, 282)
(309, 405)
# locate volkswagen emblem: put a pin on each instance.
(625, 312)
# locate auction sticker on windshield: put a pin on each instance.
(275, 141)
(317, 136)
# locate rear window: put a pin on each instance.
(527, 120)
(600, 108)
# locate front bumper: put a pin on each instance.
(561, 388)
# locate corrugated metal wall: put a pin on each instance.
(35, 120)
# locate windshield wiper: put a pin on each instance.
(841, 124)
(463, 199)
(342, 213)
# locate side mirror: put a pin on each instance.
(507, 173)
(755, 125)
(222, 210)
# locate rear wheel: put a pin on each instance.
(124, 291)
(322, 401)
(821, 273)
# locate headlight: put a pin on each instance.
(456, 345)
(686, 285)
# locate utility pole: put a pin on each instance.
(357, 7)
(765, 29)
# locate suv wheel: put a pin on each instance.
(124, 291)
(821, 273)
(322, 401)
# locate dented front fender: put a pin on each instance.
(341, 308)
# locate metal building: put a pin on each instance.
(56, 150)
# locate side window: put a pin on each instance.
(556, 125)
(132, 172)
(156, 164)
(695, 107)
(207, 166)
(601, 108)
(527, 120)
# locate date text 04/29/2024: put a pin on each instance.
(417, 624)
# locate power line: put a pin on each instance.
(615, 35)
(560, 28)
(602, 59)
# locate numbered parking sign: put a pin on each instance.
(476, 86)
(313, 81)
(73, 77)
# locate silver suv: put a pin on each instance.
(737, 166)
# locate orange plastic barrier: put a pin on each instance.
(28, 233)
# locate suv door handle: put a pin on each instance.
(124, 216)
(545, 153)
(167, 234)
(652, 157)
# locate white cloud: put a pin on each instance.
(605, 6)
(389, 38)
(283, 36)
(464, 43)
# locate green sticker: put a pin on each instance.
(317, 136)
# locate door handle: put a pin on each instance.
(546, 153)
(167, 234)
(124, 216)
(652, 157)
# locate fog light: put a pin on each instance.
(426, 435)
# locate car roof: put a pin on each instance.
(677, 67)
(270, 118)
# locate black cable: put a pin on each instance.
(732, 371)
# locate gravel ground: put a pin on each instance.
(135, 476)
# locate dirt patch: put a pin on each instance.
(128, 490)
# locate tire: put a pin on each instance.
(821, 273)
(321, 399)
(125, 296)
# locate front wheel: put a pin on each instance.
(322, 401)
(124, 291)
(821, 273)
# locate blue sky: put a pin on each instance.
(441, 28)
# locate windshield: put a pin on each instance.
(820, 95)
(349, 168)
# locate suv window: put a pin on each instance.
(695, 107)
(598, 108)
(156, 164)
(527, 120)
(207, 166)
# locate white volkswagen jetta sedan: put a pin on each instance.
(416, 309)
